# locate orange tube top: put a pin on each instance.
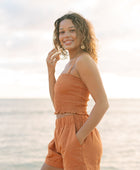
(70, 95)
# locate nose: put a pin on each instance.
(67, 34)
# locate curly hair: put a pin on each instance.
(85, 30)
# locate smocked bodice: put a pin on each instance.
(70, 95)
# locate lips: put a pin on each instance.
(67, 42)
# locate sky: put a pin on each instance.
(26, 31)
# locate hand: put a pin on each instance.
(81, 140)
(52, 59)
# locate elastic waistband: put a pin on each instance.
(70, 119)
(60, 115)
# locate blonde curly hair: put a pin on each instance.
(84, 28)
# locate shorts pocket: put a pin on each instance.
(76, 140)
(75, 137)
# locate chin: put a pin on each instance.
(69, 48)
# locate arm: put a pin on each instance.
(51, 60)
(52, 82)
(89, 74)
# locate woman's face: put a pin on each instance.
(68, 37)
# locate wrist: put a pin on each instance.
(51, 73)
(80, 138)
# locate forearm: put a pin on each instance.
(52, 58)
(96, 115)
(52, 82)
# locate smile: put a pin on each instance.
(68, 42)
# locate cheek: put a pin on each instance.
(60, 38)
(74, 35)
(77, 38)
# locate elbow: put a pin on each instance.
(104, 104)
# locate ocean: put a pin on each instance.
(27, 126)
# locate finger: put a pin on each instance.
(53, 56)
(52, 52)
(56, 56)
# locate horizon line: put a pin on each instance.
(109, 98)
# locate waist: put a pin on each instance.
(68, 119)
(60, 115)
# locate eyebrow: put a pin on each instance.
(68, 27)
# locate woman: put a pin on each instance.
(76, 144)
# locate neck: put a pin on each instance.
(75, 53)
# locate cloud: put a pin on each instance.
(115, 19)
(26, 31)
(19, 84)
(34, 14)
(120, 86)
(23, 15)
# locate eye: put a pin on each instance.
(61, 32)
(72, 30)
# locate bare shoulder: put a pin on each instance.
(85, 62)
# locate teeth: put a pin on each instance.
(67, 41)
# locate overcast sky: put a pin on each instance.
(26, 29)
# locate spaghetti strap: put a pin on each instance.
(71, 66)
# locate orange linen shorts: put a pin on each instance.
(65, 151)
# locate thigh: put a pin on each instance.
(72, 156)
(82, 156)
(54, 158)
(47, 167)
(92, 150)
